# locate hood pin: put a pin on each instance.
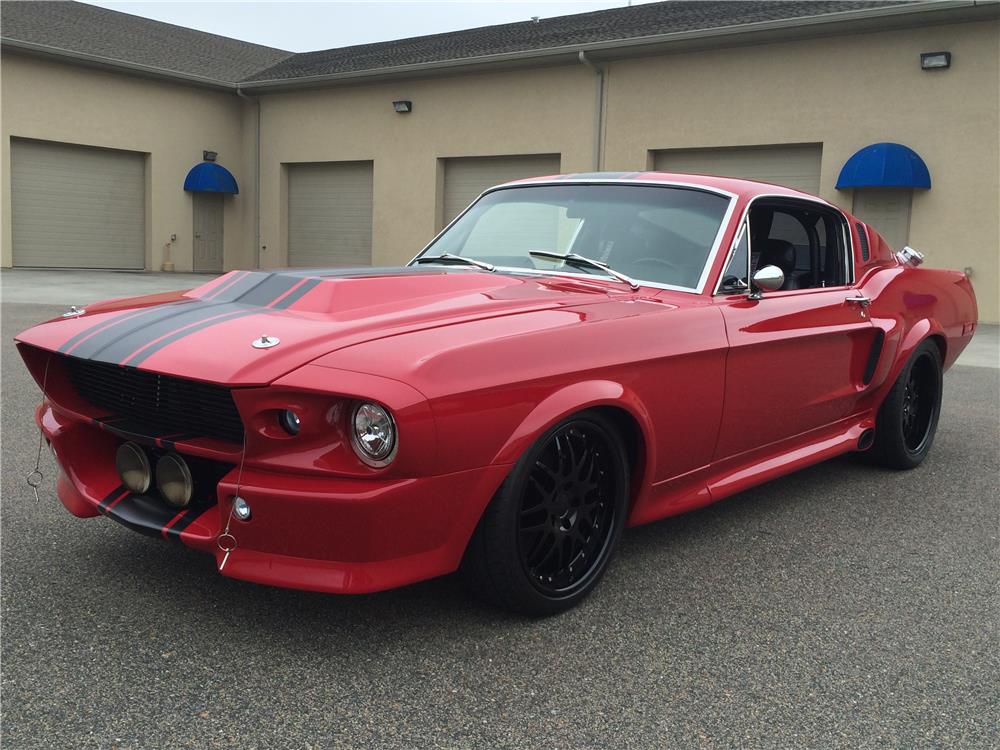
(265, 342)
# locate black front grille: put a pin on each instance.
(157, 405)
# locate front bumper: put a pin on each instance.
(321, 534)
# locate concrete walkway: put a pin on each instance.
(83, 287)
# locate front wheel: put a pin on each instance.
(907, 419)
(547, 536)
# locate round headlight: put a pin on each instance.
(373, 434)
(133, 468)
(173, 477)
(290, 421)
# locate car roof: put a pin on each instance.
(740, 187)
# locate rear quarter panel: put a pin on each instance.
(911, 304)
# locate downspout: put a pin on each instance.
(256, 186)
(599, 111)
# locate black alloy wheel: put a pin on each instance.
(568, 509)
(547, 537)
(920, 402)
(907, 420)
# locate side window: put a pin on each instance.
(735, 277)
(806, 242)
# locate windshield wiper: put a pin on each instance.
(451, 258)
(579, 260)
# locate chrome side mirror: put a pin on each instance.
(767, 279)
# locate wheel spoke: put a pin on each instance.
(567, 511)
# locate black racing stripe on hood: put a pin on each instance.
(141, 356)
(267, 291)
(295, 295)
(107, 329)
(130, 342)
(239, 287)
(119, 343)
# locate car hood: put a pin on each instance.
(208, 333)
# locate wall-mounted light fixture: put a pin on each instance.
(935, 60)
(209, 155)
(403, 106)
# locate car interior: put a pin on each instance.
(807, 242)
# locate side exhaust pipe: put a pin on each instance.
(866, 440)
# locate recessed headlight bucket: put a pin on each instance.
(373, 434)
(132, 466)
(173, 478)
(289, 421)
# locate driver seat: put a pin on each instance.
(781, 253)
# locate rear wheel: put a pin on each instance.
(546, 538)
(907, 420)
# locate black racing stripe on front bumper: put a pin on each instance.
(108, 499)
(149, 516)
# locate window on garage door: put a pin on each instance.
(794, 165)
(76, 206)
(466, 177)
(330, 214)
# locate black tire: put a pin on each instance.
(907, 419)
(547, 536)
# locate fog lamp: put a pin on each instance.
(133, 467)
(290, 421)
(373, 434)
(241, 508)
(173, 478)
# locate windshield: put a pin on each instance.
(656, 234)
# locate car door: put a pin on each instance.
(797, 356)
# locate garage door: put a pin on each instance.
(795, 166)
(465, 178)
(77, 207)
(330, 214)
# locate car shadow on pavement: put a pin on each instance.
(655, 556)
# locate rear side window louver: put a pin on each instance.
(863, 236)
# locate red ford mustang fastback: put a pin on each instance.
(572, 355)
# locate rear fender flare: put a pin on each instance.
(911, 339)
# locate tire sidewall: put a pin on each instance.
(892, 420)
(509, 514)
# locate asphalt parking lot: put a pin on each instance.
(843, 606)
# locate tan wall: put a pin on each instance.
(527, 112)
(172, 124)
(845, 92)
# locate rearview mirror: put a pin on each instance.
(767, 279)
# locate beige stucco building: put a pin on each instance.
(99, 133)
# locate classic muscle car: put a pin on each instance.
(571, 355)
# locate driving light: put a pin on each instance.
(241, 508)
(290, 421)
(373, 434)
(173, 478)
(133, 467)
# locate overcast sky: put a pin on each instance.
(304, 26)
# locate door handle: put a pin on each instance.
(859, 300)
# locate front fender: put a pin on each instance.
(569, 400)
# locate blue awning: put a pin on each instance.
(209, 177)
(884, 165)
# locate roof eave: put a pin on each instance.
(107, 63)
(882, 18)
